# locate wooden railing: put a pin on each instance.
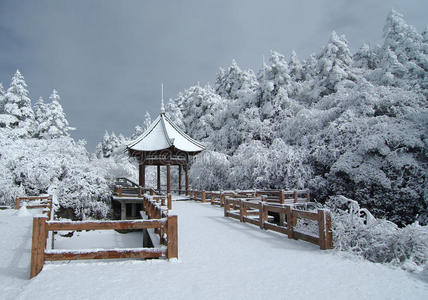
(41, 227)
(44, 202)
(274, 196)
(257, 213)
(138, 191)
(156, 209)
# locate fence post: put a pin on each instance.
(295, 196)
(204, 195)
(169, 201)
(18, 203)
(321, 229)
(290, 221)
(38, 245)
(261, 215)
(281, 197)
(172, 237)
(241, 210)
(226, 207)
(328, 231)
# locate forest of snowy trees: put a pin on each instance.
(336, 123)
(37, 156)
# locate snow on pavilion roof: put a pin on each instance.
(163, 134)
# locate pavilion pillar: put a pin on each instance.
(186, 178)
(179, 179)
(168, 178)
(142, 175)
(159, 179)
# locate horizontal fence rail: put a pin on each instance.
(257, 213)
(41, 228)
(259, 207)
(155, 209)
(44, 202)
(274, 196)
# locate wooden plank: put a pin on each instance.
(35, 198)
(276, 209)
(305, 214)
(105, 225)
(251, 220)
(261, 215)
(234, 215)
(321, 229)
(103, 254)
(276, 228)
(305, 237)
(172, 237)
(38, 245)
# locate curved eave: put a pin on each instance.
(164, 134)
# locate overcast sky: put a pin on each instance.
(107, 59)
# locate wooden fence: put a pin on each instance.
(160, 220)
(257, 213)
(259, 206)
(44, 202)
(273, 196)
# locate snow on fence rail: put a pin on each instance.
(163, 223)
(274, 196)
(44, 202)
(257, 213)
(254, 206)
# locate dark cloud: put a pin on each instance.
(107, 59)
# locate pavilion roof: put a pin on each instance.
(163, 134)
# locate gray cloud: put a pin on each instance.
(107, 59)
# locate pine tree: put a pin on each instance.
(366, 58)
(17, 103)
(109, 144)
(334, 64)
(52, 122)
(295, 67)
(235, 83)
(403, 53)
(40, 111)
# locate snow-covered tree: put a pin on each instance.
(334, 65)
(17, 104)
(51, 119)
(235, 83)
(404, 59)
(109, 145)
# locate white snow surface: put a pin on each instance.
(219, 258)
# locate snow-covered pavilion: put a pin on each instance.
(164, 144)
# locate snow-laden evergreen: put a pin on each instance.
(38, 156)
(51, 119)
(17, 104)
(335, 123)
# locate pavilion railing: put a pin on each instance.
(156, 210)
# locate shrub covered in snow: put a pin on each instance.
(355, 230)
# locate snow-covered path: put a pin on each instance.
(220, 258)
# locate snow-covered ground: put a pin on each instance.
(219, 258)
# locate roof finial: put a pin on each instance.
(162, 105)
